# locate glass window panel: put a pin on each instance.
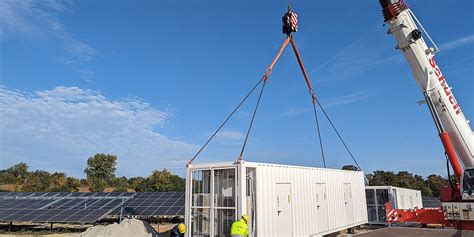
(223, 220)
(382, 213)
(201, 182)
(200, 222)
(224, 188)
(468, 181)
(369, 195)
(372, 215)
(382, 197)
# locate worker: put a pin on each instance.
(178, 230)
(239, 227)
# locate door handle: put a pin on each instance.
(318, 206)
(278, 212)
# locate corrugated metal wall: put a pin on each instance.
(303, 182)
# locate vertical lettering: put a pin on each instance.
(452, 101)
(437, 72)
(448, 92)
(443, 83)
(441, 79)
(432, 62)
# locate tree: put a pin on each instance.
(137, 183)
(120, 184)
(100, 171)
(37, 181)
(7, 177)
(434, 183)
(72, 184)
(20, 171)
(350, 167)
(178, 183)
(421, 184)
(61, 183)
(382, 178)
(161, 181)
(58, 179)
(146, 186)
(405, 180)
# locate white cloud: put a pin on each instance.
(39, 19)
(59, 129)
(345, 99)
(457, 42)
(296, 111)
(337, 55)
(229, 136)
(354, 65)
(331, 103)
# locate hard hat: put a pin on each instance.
(181, 228)
(245, 217)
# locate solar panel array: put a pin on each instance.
(154, 204)
(86, 207)
(431, 202)
(59, 207)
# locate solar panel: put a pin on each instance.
(431, 202)
(154, 204)
(59, 207)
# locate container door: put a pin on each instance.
(251, 200)
(371, 205)
(283, 219)
(224, 201)
(348, 203)
(321, 207)
(394, 199)
(382, 197)
(402, 201)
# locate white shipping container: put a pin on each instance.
(399, 198)
(281, 200)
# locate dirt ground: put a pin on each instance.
(359, 232)
(40, 235)
(61, 230)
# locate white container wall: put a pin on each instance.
(281, 200)
(399, 198)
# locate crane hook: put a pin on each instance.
(290, 22)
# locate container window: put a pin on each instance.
(200, 222)
(201, 188)
(382, 196)
(213, 202)
(382, 213)
(372, 213)
(370, 196)
(223, 219)
(224, 188)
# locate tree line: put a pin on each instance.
(100, 176)
(429, 186)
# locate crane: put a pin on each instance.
(454, 131)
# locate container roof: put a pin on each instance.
(255, 164)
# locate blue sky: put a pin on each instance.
(151, 80)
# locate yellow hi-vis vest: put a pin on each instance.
(239, 228)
